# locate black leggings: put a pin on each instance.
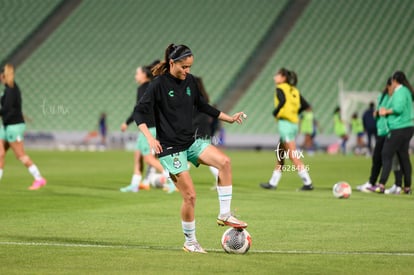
(397, 142)
(377, 163)
(371, 134)
(376, 159)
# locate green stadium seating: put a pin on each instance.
(18, 19)
(87, 65)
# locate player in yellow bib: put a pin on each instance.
(288, 105)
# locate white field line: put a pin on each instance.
(299, 252)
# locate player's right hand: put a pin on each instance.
(124, 126)
(155, 145)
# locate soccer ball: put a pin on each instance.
(157, 180)
(342, 190)
(236, 241)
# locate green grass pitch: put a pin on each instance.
(81, 224)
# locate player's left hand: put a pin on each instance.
(239, 117)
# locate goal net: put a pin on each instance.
(355, 101)
(352, 102)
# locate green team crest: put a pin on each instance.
(176, 163)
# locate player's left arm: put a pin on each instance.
(281, 99)
(303, 104)
(237, 117)
(204, 107)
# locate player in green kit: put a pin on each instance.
(173, 96)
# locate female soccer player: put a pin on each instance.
(357, 128)
(308, 125)
(340, 129)
(382, 132)
(143, 76)
(202, 125)
(288, 105)
(399, 119)
(172, 96)
(14, 126)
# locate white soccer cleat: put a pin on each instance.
(394, 190)
(130, 188)
(230, 220)
(194, 247)
(364, 187)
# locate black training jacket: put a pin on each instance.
(11, 106)
(173, 101)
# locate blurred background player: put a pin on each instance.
(288, 105)
(308, 127)
(399, 116)
(382, 131)
(4, 145)
(357, 128)
(217, 131)
(203, 125)
(103, 128)
(340, 129)
(143, 153)
(101, 132)
(14, 126)
(370, 126)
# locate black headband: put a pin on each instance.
(186, 53)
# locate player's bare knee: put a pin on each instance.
(24, 159)
(190, 198)
(225, 163)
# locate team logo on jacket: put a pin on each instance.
(171, 93)
(188, 91)
(176, 163)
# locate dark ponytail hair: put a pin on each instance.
(385, 92)
(389, 81)
(174, 53)
(148, 69)
(400, 77)
(291, 76)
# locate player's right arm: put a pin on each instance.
(142, 113)
(153, 143)
(281, 101)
